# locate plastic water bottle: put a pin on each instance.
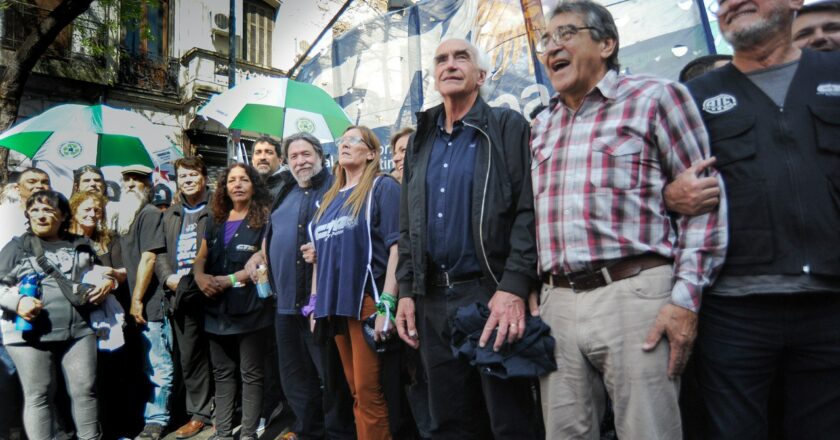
(28, 287)
(263, 287)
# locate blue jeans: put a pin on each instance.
(10, 390)
(157, 342)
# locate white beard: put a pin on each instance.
(126, 211)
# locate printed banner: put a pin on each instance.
(381, 71)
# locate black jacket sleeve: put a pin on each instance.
(405, 265)
(520, 273)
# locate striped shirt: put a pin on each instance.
(598, 174)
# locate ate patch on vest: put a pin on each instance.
(719, 104)
(828, 89)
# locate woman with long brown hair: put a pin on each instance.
(355, 234)
(237, 320)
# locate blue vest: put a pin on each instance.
(344, 251)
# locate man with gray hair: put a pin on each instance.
(467, 236)
(619, 272)
(318, 413)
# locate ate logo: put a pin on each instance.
(305, 125)
(719, 104)
(70, 149)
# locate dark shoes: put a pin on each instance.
(192, 428)
(152, 431)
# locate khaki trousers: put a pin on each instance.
(599, 336)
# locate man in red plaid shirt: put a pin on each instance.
(619, 271)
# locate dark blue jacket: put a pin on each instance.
(321, 182)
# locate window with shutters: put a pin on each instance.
(148, 35)
(259, 25)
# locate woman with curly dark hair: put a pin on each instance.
(237, 320)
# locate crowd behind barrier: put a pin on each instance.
(645, 259)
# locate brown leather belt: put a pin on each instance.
(606, 272)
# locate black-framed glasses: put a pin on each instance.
(560, 35)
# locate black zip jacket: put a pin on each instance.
(502, 201)
(303, 275)
(166, 263)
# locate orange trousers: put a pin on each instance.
(361, 368)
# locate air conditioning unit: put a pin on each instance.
(221, 24)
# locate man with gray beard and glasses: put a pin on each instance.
(140, 240)
(773, 117)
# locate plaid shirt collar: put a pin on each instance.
(607, 87)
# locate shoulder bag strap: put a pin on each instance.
(66, 286)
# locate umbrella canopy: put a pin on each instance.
(279, 107)
(96, 134)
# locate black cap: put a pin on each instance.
(161, 195)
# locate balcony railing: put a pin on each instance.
(149, 74)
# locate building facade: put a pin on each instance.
(166, 68)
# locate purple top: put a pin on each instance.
(230, 229)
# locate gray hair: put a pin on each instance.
(480, 58)
(598, 19)
(303, 136)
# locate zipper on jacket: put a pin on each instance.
(483, 199)
(804, 266)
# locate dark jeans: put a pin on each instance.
(188, 327)
(461, 399)
(744, 343)
(273, 395)
(300, 362)
(244, 353)
(10, 415)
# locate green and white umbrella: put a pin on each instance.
(278, 107)
(72, 135)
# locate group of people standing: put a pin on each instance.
(603, 218)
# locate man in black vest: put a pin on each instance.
(773, 117)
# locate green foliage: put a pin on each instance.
(102, 26)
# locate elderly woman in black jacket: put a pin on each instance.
(51, 332)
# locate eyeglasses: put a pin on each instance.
(559, 36)
(350, 140)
